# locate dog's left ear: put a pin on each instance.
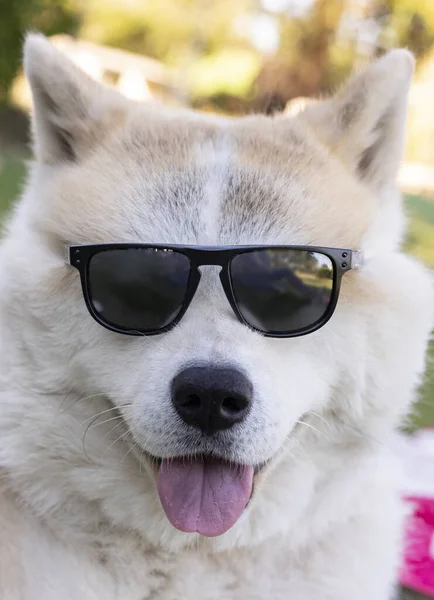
(71, 112)
(364, 124)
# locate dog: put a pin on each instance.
(244, 452)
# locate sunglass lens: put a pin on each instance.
(138, 289)
(282, 290)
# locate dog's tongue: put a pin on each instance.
(206, 496)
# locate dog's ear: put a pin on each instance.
(364, 124)
(70, 110)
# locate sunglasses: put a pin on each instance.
(145, 289)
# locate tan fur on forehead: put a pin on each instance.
(328, 205)
(277, 166)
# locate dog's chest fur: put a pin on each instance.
(121, 566)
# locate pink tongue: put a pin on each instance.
(207, 496)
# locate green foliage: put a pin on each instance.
(19, 16)
(225, 72)
(170, 30)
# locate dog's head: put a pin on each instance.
(212, 410)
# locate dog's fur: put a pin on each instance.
(79, 514)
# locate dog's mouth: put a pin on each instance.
(203, 494)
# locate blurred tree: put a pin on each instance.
(314, 57)
(303, 65)
(19, 16)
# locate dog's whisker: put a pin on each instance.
(313, 428)
(291, 440)
(294, 458)
(130, 450)
(64, 401)
(83, 443)
(95, 418)
(320, 417)
(369, 438)
(121, 422)
(78, 400)
(103, 412)
(142, 452)
(105, 421)
(92, 424)
(125, 433)
(124, 440)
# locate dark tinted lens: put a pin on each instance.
(138, 289)
(282, 291)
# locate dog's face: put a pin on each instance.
(111, 171)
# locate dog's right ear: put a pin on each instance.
(71, 112)
(364, 123)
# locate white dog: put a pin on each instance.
(209, 462)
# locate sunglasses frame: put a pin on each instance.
(343, 260)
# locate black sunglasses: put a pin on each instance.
(145, 289)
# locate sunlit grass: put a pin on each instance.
(12, 174)
(420, 243)
(420, 240)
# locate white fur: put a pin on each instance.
(79, 513)
(215, 158)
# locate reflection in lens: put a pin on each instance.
(282, 290)
(138, 289)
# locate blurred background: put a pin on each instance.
(234, 57)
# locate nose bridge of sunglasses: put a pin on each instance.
(211, 278)
(209, 273)
(212, 268)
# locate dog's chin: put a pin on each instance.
(203, 494)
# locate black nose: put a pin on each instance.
(211, 398)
